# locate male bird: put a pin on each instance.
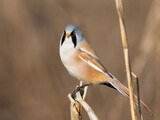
(82, 63)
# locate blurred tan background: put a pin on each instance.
(33, 82)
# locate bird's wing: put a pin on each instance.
(87, 55)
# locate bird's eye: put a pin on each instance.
(63, 38)
(74, 39)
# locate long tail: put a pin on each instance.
(114, 83)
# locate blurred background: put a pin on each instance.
(33, 82)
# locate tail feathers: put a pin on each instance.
(120, 90)
(124, 91)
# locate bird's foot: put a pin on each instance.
(79, 89)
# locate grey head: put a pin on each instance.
(71, 36)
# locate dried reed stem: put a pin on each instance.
(76, 107)
(75, 112)
(126, 57)
(138, 95)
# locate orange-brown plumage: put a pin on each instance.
(87, 73)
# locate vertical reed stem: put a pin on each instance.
(126, 57)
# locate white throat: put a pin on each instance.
(66, 47)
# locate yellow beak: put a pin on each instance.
(68, 35)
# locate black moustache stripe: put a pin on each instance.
(74, 39)
(63, 38)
